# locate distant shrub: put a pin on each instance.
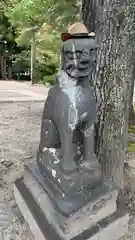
(50, 79)
(45, 70)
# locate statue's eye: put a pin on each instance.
(69, 55)
(91, 50)
(86, 52)
(78, 54)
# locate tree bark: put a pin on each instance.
(89, 9)
(131, 62)
(3, 67)
(10, 71)
(110, 22)
(131, 93)
(79, 6)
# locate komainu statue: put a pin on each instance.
(66, 157)
(64, 195)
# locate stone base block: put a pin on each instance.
(71, 193)
(93, 222)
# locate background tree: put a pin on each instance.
(8, 45)
(30, 16)
(131, 66)
(7, 42)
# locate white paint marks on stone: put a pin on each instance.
(45, 149)
(55, 155)
(89, 131)
(73, 49)
(54, 173)
(78, 152)
(48, 168)
(92, 34)
(58, 180)
(84, 115)
(53, 151)
(56, 161)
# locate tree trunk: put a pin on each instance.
(108, 19)
(3, 67)
(131, 93)
(10, 71)
(131, 62)
(79, 5)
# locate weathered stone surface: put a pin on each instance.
(113, 231)
(73, 192)
(46, 224)
(64, 195)
(66, 157)
(98, 208)
(5, 215)
(37, 233)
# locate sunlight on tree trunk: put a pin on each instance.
(79, 5)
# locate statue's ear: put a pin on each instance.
(92, 34)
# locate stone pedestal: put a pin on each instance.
(98, 220)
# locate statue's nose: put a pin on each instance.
(85, 56)
(86, 52)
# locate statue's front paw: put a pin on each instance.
(69, 167)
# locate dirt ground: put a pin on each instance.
(19, 139)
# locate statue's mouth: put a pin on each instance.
(78, 73)
(83, 69)
(83, 66)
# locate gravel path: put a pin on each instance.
(19, 139)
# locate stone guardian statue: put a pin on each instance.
(66, 152)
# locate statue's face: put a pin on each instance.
(79, 57)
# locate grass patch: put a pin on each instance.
(131, 144)
(131, 147)
(131, 128)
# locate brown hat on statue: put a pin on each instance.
(77, 30)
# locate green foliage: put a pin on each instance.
(49, 79)
(6, 30)
(47, 57)
(131, 147)
(21, 61)
(50, 16)
(131, 129)
(131, 144)
(36, 12)
(23, 38)
(46, 69)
